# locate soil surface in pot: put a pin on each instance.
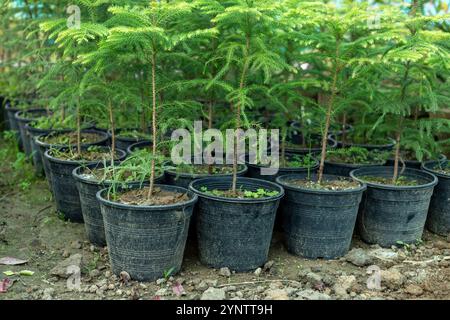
(401, 181)
(332, 185)
(357, 156)
(139, 197)
(90, 154)
(241, 193)
(70, 138)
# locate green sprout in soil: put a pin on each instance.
(357, 155)
(241, 193)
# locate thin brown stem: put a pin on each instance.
(113, 130)
(78, 127)
(152, 175)
(238, 113)
(328, 116)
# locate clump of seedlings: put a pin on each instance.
(357, 155)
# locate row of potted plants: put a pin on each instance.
(184, 58)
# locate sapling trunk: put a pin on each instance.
(238, 112)
(210, 122)
(400, 125)
(344, 129)
(78, 127)
(113, 131)
(152, 174)
(328, 117)
(283, 147)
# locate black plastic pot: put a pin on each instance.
(35, 151)
(24, 117)
(235, 233)
(341, 144)
(90, 207)
(344, 169)
(439, 212)
(254, 171)
(414, 164)
(64, 186)
(183, 180)
(318, 223)
(139, 146)
(13, 125)
(146, 241)
(125, 142)
(389, 213)
(305, 150)
(43, 146)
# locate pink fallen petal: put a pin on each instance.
(4, 285)
(11, 261)
(178, 289)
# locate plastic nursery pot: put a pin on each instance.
(318, 223)
(43, 146)
(254, 171)
(10, 112)
(139, 146)
(64, 186)
(390, 213)
(439, 212)
(299, 149)
(146, 241)
(125, 142)
(414, 164)
(35, 151)
(24, 117)
(180, 179)
(88, 186)
(340, 144)
(231, 232)
(344, 169)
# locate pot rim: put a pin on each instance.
(77, 175)
(136, 144)
(362, 145)
(287, 186)
(192, 187)
(18, 116)
(173, 172)
(193, 200)
(392, 187)
(51, 158)
(104, 138)
(425, 167)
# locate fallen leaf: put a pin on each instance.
(9, 273)
(26, 273)
(178, 289)
(5, 284)
(11, 261)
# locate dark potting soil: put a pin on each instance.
(140, 197)
(401, 181)
(357, 156)
(70, 138)
(91, 154)
(241, 194)
(334, 185)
